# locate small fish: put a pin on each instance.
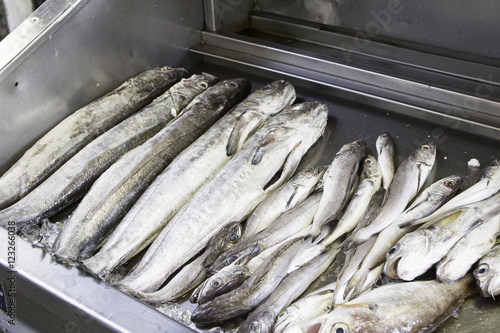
(385, 151)
(408, 180)
(487, 273)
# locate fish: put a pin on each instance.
(419, 250)
(487, 273)
(230, 195)
(282, 228)
(310, 306)
(408, 180)
(254, 290)
(78, 234)
(263, 318)
(468, 250)
(195, 272)
(338, 181)
(425, 204)
(183, 177)
(396, 307)
(283, 199)
(385, 152)
(487, 186)
(369, 184)
(81, 127)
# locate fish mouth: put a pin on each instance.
(391, 268)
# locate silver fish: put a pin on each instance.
(338, 181)
(80, 128)
(397, 307)
(468, 250)
(254, 290)
(385, 151)
(408, 180)
(195, 272)
(232, 193)
(83, 232)
(417, 251)
(286, 197)
(487, 273)
(184, 176)
(263, 318)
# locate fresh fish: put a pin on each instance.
(286, 197)
(468, 250)
(369, 183)
(263, 318)
(195, 272)
(427, 202)
(338, 181)
(397, 307)
(183, 177)
(487, 186)
(81, 233)
(417, 251)
(408, 180)
(487, 273)
(308, 307)
(282, 228)
(385, 151)
(254, 290)
(232, 193)
(80, 128)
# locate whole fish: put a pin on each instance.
(80, 128)
(282, 228)
(263, 318)
(77, 234)
(385, 151)
(408, 180)
(417, 251)
(487, 186)
(468, 250)
(397, 307)
(427, 202)
(338, 181)
(238, 187)
(312, 305)
(254, 290)
(370, 182)
(184, 176)
(286, 197)
(487, 273)
(195, 272)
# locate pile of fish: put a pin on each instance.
(202, 177)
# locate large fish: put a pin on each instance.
(385, 152)
(274, 150)
(185, 175)
(487, 273)
(82, 232)
(397, 307)
(408, 180)
(80, 128)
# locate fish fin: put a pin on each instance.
(268, 140)
(289, 201)
(287, 169)
(235, 137)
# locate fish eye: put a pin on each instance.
(233, 238)
(233, 84)
(255, 328)
(169, 68)
(216, 283)
(340, 328)
(391, 251)
(493, 163)
(426, 147)
(450, 183)
(203, 85)
(369, 161)
(309, 171)
(267, 87)
(481, 270)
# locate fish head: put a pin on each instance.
(198, 82)
(239, 254)
(223, 282)
(492, 171)
(261, 323)
(226, 238)
(384, 142)
(445, 188)
(287, 317)
(229, 92)
(488, 279)
(349, 319)
(276, 96)
(357, 147)
(173, 73)
(371, 169)
(425, 154)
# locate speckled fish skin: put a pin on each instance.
(283, 199)
(398, 307)
(417, 251)
(408, 180)
(338, 181)
(487, 273)
(195, 272)
(385, 156)
(184, 176)
(468, 250)
(80, 128)
(83, 231)
(254, 290)
(263, 318)
(232, 193)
